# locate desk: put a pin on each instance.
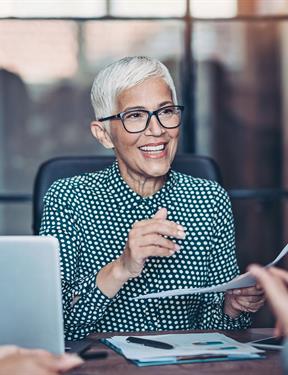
(116, 364)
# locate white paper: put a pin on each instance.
(183, 346)
(243, 281)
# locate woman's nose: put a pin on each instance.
(154, 126)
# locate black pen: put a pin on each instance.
(151, 343)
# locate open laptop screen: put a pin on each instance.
(30, 290)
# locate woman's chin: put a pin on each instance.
(157, 168)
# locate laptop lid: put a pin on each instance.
(30, 293)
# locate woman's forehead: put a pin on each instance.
(150, 92)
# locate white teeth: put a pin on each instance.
(152, 148)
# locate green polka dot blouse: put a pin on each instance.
(91, 216)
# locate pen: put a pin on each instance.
(207, 343)
(151, 343)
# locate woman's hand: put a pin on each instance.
(274, 281)
(148, 238)
(245, 299)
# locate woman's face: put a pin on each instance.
(151, 152)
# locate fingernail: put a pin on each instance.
(177, 247)
(180, 228)
(181, 234)
(236, 291)
(171, 252)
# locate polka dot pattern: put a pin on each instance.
(91, 216)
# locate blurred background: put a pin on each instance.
(228, 59)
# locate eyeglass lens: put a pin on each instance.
(136, 121)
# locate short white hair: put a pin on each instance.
(122, 75)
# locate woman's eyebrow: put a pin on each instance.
(133, 108)
(142, 107)
(169, 102)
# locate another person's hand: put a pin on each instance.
(14, 360)
(274, 281)
(6, 350)
(245, 299)
(149, 238)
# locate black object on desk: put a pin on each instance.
(150, 343)
(90, 354)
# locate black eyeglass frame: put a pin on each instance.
(120, 116)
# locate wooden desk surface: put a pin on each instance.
(116, 364)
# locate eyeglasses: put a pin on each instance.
(136, 121)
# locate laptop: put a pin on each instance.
(30, 293)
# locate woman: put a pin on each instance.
(138, 227)
(274, 281)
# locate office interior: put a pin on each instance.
(229, 61)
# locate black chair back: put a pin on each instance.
(54, 169)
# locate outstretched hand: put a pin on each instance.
(15, 360)
(274, 281)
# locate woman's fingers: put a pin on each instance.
(250, 299)
(153, 245)
(158, 251)
(163, 227)
(161, 214)
(156, 240)
(249, 304)
(149, 238)
(232, 303)
(251, 291)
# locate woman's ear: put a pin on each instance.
(101, 134)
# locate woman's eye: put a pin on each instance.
(167, 111)
(134, 115)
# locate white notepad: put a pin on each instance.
(186, 345)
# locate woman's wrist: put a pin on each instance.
(119, 271)
(111, 278)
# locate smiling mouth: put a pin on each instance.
(153, 148)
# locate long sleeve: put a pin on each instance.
(83, 302)
(91, 215)
(222, 268)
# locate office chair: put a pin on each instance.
(54, 169)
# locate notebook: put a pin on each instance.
(30, 290)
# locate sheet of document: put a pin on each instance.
(184, 345)
(243, 281)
